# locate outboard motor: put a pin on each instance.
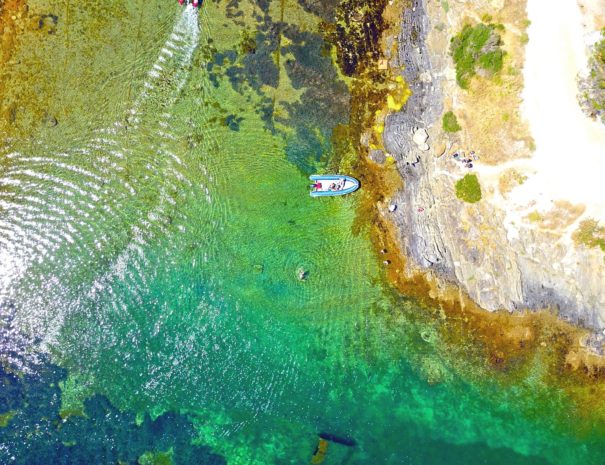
(194, 3)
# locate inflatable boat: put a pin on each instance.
(329, 185)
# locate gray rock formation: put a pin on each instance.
(425, 103)
(469, 244)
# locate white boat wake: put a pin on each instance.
(72, 202)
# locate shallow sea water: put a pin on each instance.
(150, 245)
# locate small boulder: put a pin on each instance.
(48, 23)
(439, 149)
(49, 121)
(420, 137)
(259, 268)
(377, 156)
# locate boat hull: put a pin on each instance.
(350, 185)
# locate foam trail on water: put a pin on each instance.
(170, 70)
(54, 202)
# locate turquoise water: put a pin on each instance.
(150, 246)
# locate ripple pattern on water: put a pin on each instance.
(98, 201)
(156, 257)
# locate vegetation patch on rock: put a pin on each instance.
(476, 49)
(450, 122)
(590, 234)
(510, 179)
(468, 189)
(592, 95)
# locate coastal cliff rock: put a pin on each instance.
(500, 262)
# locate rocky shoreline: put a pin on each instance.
(424, 105)
(422, 109)
(470, 245)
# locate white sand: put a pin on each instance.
(569, 160)
(594, 14)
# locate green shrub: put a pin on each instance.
(491, 61)
(468, 189)
(590, 234)
(524, 39)
(476, 46)
(599, 49)
(593, 86)
(450, 122)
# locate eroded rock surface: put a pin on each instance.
(500, 263)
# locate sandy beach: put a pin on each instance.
(569, 160)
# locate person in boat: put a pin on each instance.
(316, 186)
(336, 186)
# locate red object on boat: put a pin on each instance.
(196, 3)
(181, 2)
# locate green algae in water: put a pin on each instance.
(161, 304)
(156, 458)
(74, 391)
(6, 417)
(37, 434)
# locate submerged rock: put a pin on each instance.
(48, 23)
(49, 121)
(433, 370)
(377, 156)
(35, 401)
(259, 268)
